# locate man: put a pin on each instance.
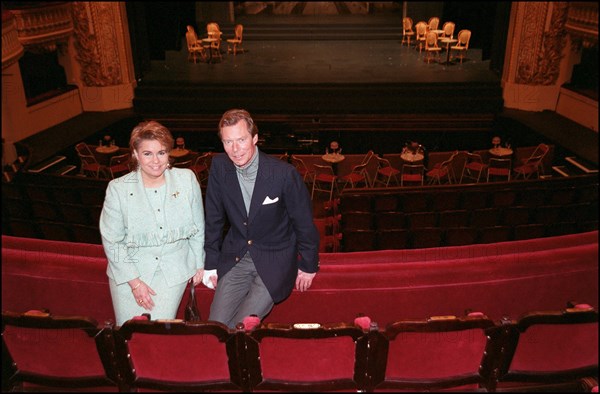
(272, 242)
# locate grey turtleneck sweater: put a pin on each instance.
(247, 177)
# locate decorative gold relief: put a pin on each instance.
(540, 53)
(96, 43)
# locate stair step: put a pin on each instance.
(64, 170)
(44, 165)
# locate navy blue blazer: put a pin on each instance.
(279, 231)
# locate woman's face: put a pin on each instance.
(153, 158)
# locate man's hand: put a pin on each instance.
(304, 280)
(210, 278)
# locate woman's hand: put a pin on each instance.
(197, 278)
(142, 293)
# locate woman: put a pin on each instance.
(152, 227)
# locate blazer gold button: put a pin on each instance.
(249, 242)
(237, 259)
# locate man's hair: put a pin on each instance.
(233, 116)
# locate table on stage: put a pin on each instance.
(209, 41)
(105, 152)
(412, 158)
(333, 157)
(501, 152)
(178, 152)
(448, 41)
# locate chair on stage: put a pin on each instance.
(234, 45)
(531, 166)
(441, 171)
(407, 30)
(548, 348)
(306, 173)
(119, 165)
(385, 172)
(448, 30)
(89, 163)
(420, 34)
(42, 352)
(473, 168)
(181, 356)
(323, 357)
(195, 48)
(462, 46)
(433, 23)
(412, 174)
(499, 168)
(359, 173)
(441, 352)
(431, 46)
(324, 180)
(200, 167)
(183, 164)
(214, 31)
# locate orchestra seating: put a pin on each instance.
(461, 214)
(504, 290)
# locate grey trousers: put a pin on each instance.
(240, 293)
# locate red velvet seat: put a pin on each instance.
(427, 237)
(515, 216)
(295, 358)
(422, 219)
(357, 221)
(355, 202)
(180, 356)
(390, 220)
(441, 352)
(455, 218)
(456, 236)
(387, 202)
(485, 217)
(66, 353)
(358, 240)
(393, 239)
(548, 347)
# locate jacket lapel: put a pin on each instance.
(261, 186)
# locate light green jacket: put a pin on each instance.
(134, 242)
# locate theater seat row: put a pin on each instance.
(544, 350)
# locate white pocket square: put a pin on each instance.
(269, 201)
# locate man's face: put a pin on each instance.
(238, 143)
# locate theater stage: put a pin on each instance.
(319, 74)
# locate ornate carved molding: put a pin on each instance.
(43, 27)
(582, 24)
(12, 50)
(96, 43)
(540, 54)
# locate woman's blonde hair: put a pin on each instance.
(149, 130)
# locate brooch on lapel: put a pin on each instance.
(175, 194)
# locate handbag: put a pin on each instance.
(192, 313)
